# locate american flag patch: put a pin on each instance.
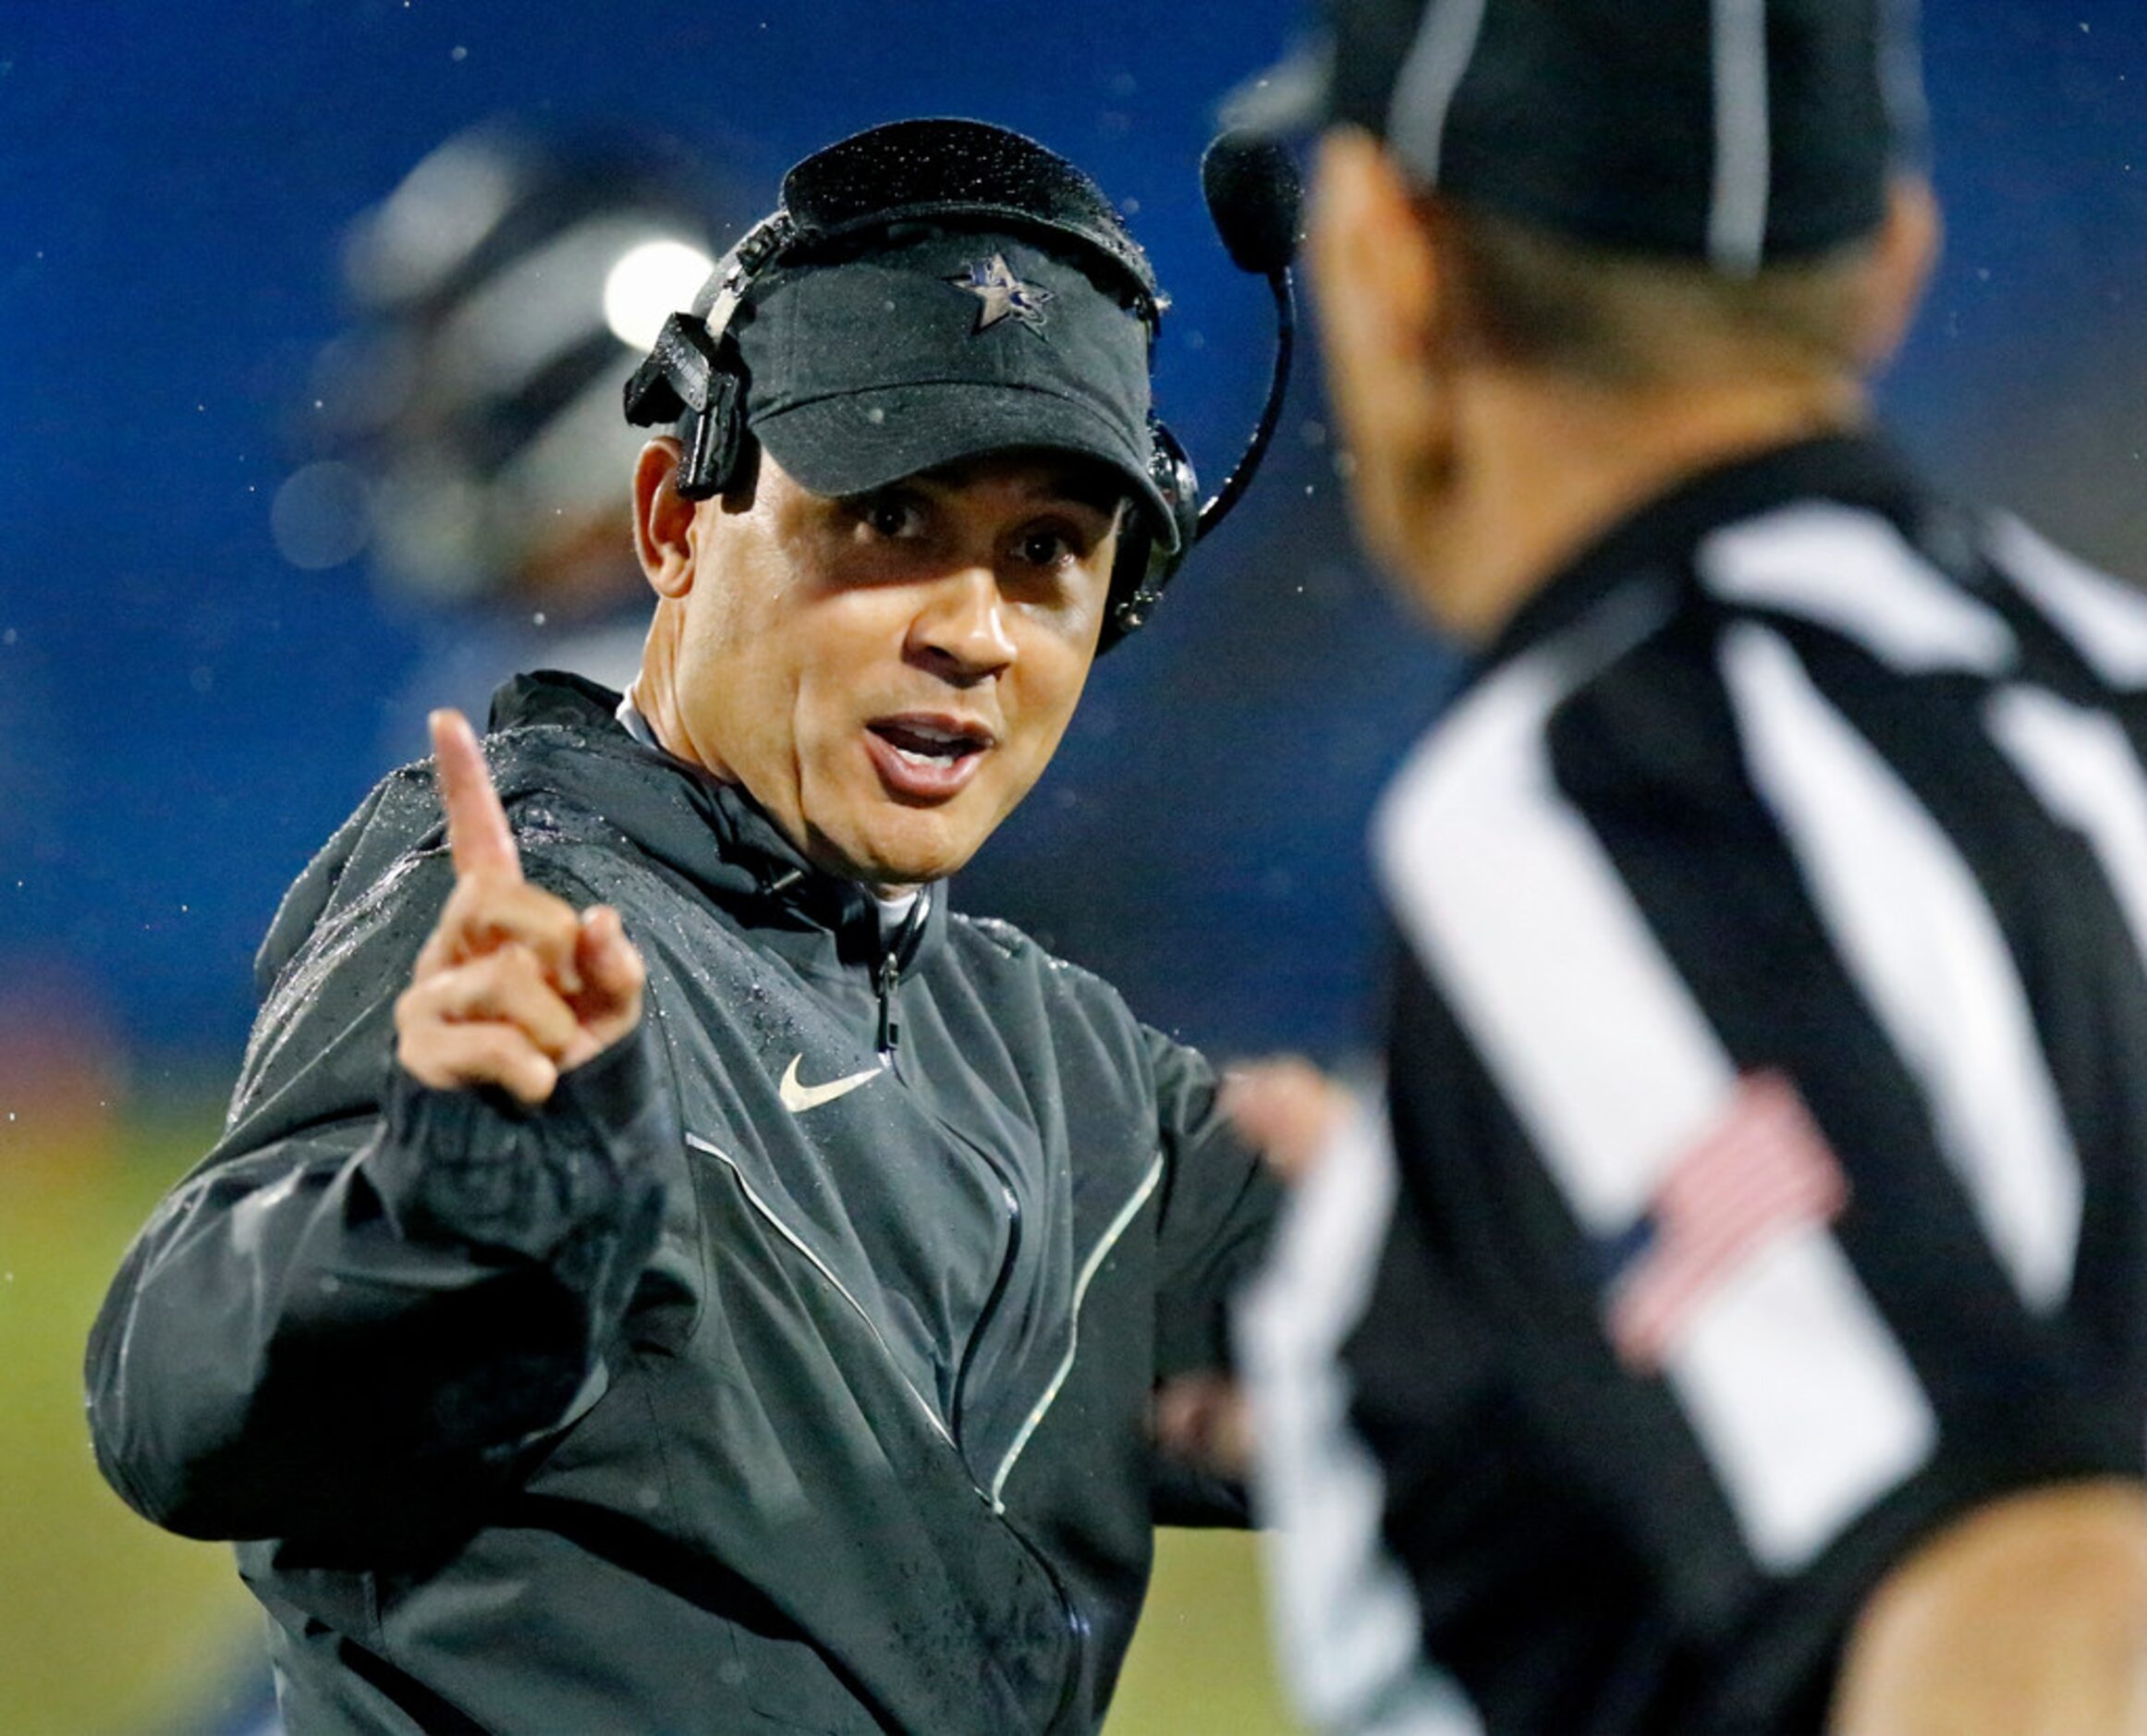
(1762, 1171)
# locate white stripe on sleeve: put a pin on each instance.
(1915, 932)
(1346, 1626)
(1530, 931)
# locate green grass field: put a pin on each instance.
(106, 1625)
(1199, 1664)
(109, 1627)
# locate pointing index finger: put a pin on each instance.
(478, 835)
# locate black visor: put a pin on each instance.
(936, 291)
(959, 172)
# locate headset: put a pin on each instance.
(967, 174)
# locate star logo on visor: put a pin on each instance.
(1005, 296)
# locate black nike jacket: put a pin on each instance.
(788, 1370)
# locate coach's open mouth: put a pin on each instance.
(927, 757)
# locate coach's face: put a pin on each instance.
(886, 675)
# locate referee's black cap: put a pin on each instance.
(1738, 132)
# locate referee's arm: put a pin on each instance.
(2028, 1614)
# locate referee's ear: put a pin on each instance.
(1902, 257)
(1385, 315)
(663, 519)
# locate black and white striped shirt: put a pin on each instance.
(1767, 1083)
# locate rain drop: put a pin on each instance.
(321, 515)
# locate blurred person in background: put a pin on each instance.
(466, 433)
(1735, 1315)
(663, 1270)
(468, 430)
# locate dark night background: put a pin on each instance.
(184, 717)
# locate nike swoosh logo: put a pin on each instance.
(798, 1097)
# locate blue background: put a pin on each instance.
(184, 717)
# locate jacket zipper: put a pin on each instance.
(1077, 1624)
(990, 1307)
(840, 1289)
(1090, 1267)
(887, 1036)
(889, 1033)
(898, 954)
(1077, 1628)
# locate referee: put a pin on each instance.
(1738, 1318)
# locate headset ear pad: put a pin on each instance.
(696, 379)
(1144, 565)
(717, 443)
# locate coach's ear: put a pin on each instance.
(662, 519)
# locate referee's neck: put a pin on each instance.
(1543, 465)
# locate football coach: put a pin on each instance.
(664, 1270)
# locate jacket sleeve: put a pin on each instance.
(1219, 1201)
(371, 1297)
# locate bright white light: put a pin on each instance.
(649, 284)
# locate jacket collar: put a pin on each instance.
(561, 732)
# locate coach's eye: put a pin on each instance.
(892, 513)
(1047, 548)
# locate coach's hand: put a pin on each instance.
(513, 988)
(1286, 1110)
